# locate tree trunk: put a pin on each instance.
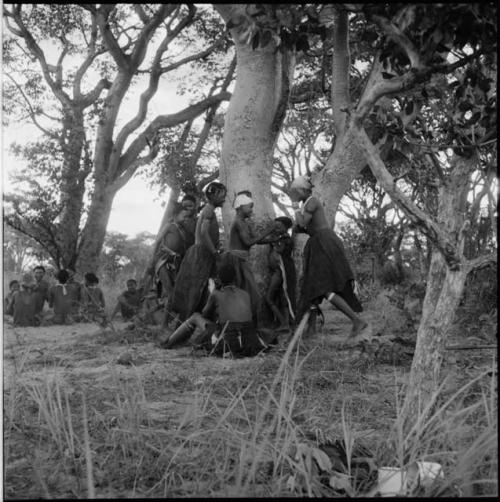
(94, 231)
(347, 159)
(252, 124)
(443, 293)
(341, 168)
(444, 290)
(72, 189)
(169, 209)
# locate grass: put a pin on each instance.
(182, 426)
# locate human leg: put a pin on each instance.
(185, 330)
(273, 290)
(358, 323)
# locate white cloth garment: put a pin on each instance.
(241, 200)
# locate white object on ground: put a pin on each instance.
(428, 472)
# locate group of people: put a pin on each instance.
(69, 300)
(208, 293)
(231, 311)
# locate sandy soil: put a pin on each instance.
(103, 364)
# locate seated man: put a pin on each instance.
(24, 303)
(60, 300)
(129, 301)
(8, 305)
(93, 300)
(225, 324)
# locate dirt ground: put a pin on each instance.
(105, 366)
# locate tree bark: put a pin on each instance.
(72, 188)
(445, 286)
(347, 159)
(252, 124)
(94, 231)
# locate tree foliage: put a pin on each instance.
(78, 81)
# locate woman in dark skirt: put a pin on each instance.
(327, 273)
(199, 264)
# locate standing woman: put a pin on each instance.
(327, 273)
(199, 264)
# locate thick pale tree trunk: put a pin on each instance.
(341, 169)
(94, 231)
(252, 124)
(444, 290)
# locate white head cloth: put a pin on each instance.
(301, 182)
(241, 200)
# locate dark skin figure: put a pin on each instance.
(313, 219)
(207, 228)
(173, 240)
(241, 235)
(276, 281)
(228, 304)
(189, 222)
(121, 300)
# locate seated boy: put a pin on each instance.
(60, 300)
(93, 300)
(129, 301)
(8, 305)
(24, 303)
(225, 322)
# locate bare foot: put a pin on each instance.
(358, 327)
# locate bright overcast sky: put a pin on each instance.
(136, 207)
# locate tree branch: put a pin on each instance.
(37, 52)
(378, 87)
(155, 73)
(480, 262)
(139, 51)
(31, 111)
(90, 97)
(418, 217)
(400, 38)
(92, 53)
(102, 15)
(165, 121)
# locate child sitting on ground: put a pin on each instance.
(8, 305)
(60, 300)
(24, 303)
(93, 300)
(225, 324)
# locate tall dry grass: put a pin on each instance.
(248, 442)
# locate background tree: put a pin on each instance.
(124, 257)
(95, 146)
(426, 43)
(414, 53)
(20, 252)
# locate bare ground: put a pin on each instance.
(136, 391)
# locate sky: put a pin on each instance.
(136, 207)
